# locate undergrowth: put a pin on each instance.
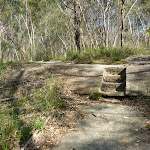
(111, 55)
(5, 66)
(14, 126)
(48, 97)
(99, 55)
(2, 68)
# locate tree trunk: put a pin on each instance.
(122, 23)
(1, 39)
(87, 28)
(0, 42)
(77, 21)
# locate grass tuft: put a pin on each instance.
(95, 96)
(48, 97)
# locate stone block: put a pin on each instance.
(138, 80)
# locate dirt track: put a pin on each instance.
(108, 127)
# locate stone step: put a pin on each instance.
(114, 70)
(115, 93)
(113, 78)
(112, 87)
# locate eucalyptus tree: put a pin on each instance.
(144, 17)
(74, 7)
(41, 29)
(122, 22)
(77, 22)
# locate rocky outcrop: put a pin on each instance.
(114, 80)
(138, 80)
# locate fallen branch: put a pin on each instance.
(7, 99)
(34, 135)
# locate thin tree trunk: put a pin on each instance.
(64, 43)
(0, 41)
(105, 30)
(82, 40)
(122, 23)
(115, 41)
(125, 19)
(87, 28)
(108, 23)
(77, 21)
(130, 25)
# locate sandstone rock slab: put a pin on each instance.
(138, 80)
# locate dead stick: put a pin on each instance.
(7, 99)
(34, 134)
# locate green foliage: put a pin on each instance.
(111, 55)
(79, 57)
(95, 96)
(4, 66)
(37, 125)
(144, 6)
(1, 69)
(72, 55)
(117, 54)
(48, 97)
(35, 8)
(128, 6)
(41, 55)
(27, 131)
(40, 31)
(5, 45)
(148, 31)
(8, 128)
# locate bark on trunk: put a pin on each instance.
(1, 39)
(0, 43)
(122, 23)
(77, 21)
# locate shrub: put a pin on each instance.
(72, 55)
(95, 96)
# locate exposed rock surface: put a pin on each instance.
(138, 80)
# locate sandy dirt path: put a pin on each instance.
(108, 127)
